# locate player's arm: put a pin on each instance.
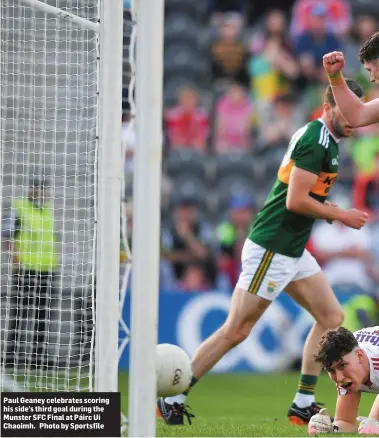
(346, 412)
(299, 201)
(374, 413)
(354, 110)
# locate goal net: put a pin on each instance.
(49, 130)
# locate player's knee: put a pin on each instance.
(234, 335)
(333, 319)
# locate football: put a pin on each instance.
(173, 370)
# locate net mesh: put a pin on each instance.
(48, 124)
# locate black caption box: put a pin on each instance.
(60, 414)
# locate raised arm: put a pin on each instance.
(356, 112)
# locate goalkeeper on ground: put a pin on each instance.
(352, 362)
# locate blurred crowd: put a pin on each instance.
(240, 79)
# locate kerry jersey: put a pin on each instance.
(312, 148)
(368, 340)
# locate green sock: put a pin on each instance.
(307, 384)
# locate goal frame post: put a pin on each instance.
(109, 177)
(146, 218)
(49, 9)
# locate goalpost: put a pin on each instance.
(146, 217)
(60, 135)
(60, 119)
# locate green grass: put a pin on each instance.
(246, 405)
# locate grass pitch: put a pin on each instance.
(246, 405)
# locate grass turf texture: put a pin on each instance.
(247, 405)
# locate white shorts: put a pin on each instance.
(266, 274)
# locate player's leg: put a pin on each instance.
(245, 311)
(250, 299)
(40, 336)
(314, 293)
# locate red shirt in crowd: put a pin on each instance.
(187, 128)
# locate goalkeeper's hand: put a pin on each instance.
(320, 423)
(368, 426)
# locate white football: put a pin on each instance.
(173, 370)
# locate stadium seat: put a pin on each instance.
(186, 162)
(181, 27)
(364, 7)
(231, 185)
(235, 164)
(197, 9)
(181, 58)
(190, 185)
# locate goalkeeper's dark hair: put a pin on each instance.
(369, 52)
(333, 345)
(354, 87)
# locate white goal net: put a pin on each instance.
(49, 79)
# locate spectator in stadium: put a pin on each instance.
(166, 274)
(194, 278)
(338, 14)
(189, 239)
(344, 254)
(219, 8)
(365, 146)
(314, 42)
(374, 232)
(278, 125)
(187, 124)
(232, 235)
(30, 236)
(229, 55)
(272, 66)
(364, 27)
(366, 190)
(233, 120)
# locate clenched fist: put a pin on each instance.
(354, 218)
(320, 423)
(333, 62)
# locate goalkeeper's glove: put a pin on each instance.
(320, 423)
(368, 426)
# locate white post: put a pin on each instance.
(109, 195)
(146, 218)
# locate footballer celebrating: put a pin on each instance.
(356, 112)
(352, 362)
(274, 257)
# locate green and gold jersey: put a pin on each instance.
(312, 148)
